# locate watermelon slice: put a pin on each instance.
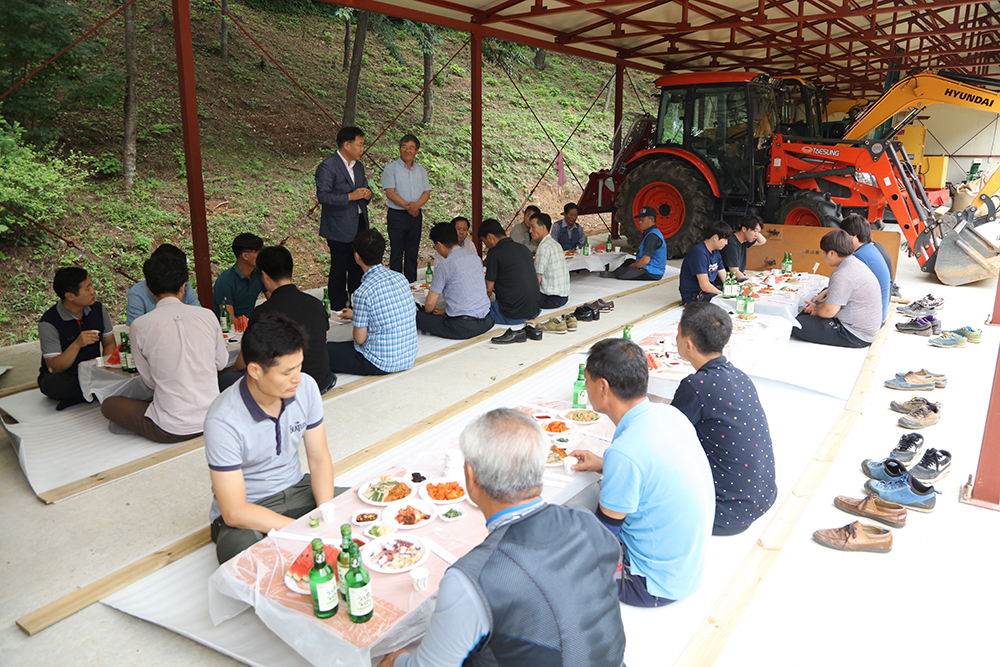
(299, 570)
(652, 363)
(115, 359)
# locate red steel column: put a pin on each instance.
(192, 149)
(476, 94)
(619, 97)
(986, 492)
(996, 307)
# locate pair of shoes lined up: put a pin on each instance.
(922, 380)
(559, 325)
(917, 412)
(528, 332)
(958, 337)
(927, 305)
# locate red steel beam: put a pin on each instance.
(491, 15)
(192, 150)
(476, 92)
(986, 490)
(619, 114)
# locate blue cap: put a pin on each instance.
(646, 211)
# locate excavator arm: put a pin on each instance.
(923, 89)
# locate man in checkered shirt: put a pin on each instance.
(384, 317)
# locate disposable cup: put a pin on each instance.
(100, 362)
(419, 576)
(569, 462)
(618, 248)
(329, 512)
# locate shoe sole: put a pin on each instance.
(922, 387)
(921, 332)
(898, 408)
(891, 524)
(914, 425)
(934, 480)
(945, 346)
(881, 550)
(556, 331)
(915, 508)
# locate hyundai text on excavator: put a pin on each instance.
(716, 150)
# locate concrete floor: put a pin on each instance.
(814, 599)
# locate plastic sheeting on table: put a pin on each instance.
(782, 304)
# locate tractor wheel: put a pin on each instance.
(809, 208)
(683, 201)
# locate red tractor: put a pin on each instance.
(719, 148)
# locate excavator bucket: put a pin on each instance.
(963, 255)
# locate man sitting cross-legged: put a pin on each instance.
(459, 278)
(722, 403)
(540, 589)
(140, 300)
(747, 235)
(550, 265)
(657, 494)
(849, 312)
(651, 259)
(178, 351)
(510, 271)
(702, 270)
(76, 329)
(860, 231)
(385, 330)
(252, 436)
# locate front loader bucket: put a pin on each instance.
(964, 255)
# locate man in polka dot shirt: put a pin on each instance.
(722, 403)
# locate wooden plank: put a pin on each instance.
(713, 634)
(375, 449)
(17, 389)
(68, 605)
(87, 483)
(803, 243)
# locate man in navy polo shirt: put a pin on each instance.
(241, 284)
(722, 403)
(651, 259)
(657, 494)
(76, 329)
(252, 436)
(702, 267)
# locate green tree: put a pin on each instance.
(33, 32)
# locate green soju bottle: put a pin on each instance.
(748, 309)
(224, 320)
(627, 332)
(741, 303)
(326, 300)
(786, 264)
(429, 275)
(580, 390)
(727, 286)
(322, 583)
(607, 246)
(344, 560)
(734, 286)
(360, 602)
(125, 354)
(586, 246)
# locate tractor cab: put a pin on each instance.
(800, 108)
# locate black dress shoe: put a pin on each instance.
(584, 314)
(534, 333)
(596, 313)
(510, 336)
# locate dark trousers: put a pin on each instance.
(825, 331)
(344, 358)
(293, 502)
(61, 386)
(626, 272)
(404, 241)
(700, 297)
(548, 302)
(723, 531)
(453, 328)
(345, 274)
(131, 413)
(632, 587)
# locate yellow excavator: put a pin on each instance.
(952, 237)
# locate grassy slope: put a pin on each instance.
(262, 139)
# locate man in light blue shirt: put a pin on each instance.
(459, 278)
(407, 190)
(385, 330)
(567, 232)
(141, 301)
(657, 495)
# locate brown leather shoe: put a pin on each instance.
(856, 537)
(873, 507)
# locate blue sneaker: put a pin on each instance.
(907, 492)
(886, 470)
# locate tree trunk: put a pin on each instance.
(347, 44)
(429, 88)
(351, 98)
(131, 103)
(224, 38)
(540, 59)
(607, 100)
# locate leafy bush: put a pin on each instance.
(32, 181)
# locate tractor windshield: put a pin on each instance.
(719, 122)
(671, 127)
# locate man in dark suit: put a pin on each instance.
(342, 189)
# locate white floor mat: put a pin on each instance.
(799, 420)
(56, 448)
(820, 368)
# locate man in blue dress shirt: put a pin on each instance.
(406, 188)
(141, 301)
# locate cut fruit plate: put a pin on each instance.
(297, 575)
(396, 513)
(378, 555)
(444, 486)
(371, 487)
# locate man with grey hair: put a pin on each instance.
(488, 611)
